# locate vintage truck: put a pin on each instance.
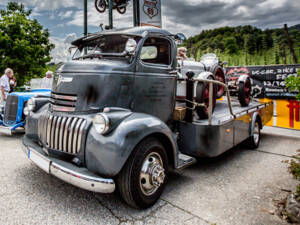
(114, 119)
(12, 115)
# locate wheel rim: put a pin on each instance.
(256, 133)
(152, 174)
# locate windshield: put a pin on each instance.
(106, 45)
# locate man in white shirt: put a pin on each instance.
(4, 84)
(47, 80)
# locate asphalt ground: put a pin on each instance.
(238, 187)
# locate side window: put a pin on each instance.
(156, 51)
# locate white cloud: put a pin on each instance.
(65, 15)
(61, 51)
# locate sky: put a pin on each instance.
(64, 18)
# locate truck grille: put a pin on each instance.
(64, 103)
(11, 109)
(61, 133)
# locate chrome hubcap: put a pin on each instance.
(152, 174)
(256, 133)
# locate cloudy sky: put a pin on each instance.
(64, 18)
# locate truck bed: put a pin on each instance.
(222, 114)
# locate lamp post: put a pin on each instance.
(85, 18)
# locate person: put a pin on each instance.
(181, 53)
(4, 84)
(12, 83)
(47, 80)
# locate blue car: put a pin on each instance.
(12, 114)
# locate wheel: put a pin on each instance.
(244, 92)
(121, 10)
(142, 180)
(202, 96)
(100, 6)
(254, 140)
(219, 75)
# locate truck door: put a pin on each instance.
(155, 80)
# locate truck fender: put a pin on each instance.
(107, 154)
(254, 116)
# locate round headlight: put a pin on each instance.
(26, 111)
(31, 104)
(101, 123)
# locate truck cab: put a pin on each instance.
(110, 120)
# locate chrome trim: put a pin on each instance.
(70, 136)
(5, 130)
(62, 108)
(82, 179)
(53, 132)
(64, 97)
(75, 138)
(80, 134)
(57, 131)
(66, 133)
(62, 131)
(49, 131)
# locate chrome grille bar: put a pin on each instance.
(61, 133)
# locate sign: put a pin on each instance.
(268, 81)
(150, 13)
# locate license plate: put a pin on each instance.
(39, 160)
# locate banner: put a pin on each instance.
(268, 81)
(150, 13)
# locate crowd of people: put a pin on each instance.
(8, 83)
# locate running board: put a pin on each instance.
(184, 161)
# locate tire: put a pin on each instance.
(254, 140)
(244, 92)
(137, 188)
(202, 96)
(219, 76)
(100, 5)
(121, 10)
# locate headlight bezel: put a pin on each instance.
(31, 104)
(101, 123)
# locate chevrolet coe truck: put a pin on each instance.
(125, 111)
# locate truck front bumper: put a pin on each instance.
(77, 176)
(10, 130)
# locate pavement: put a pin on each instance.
(238, 187)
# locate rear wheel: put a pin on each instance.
(142, 180)
(244, 92)
(202, 96)
(100, 5)
(254, 140)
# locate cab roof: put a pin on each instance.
(134, 31)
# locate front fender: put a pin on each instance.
(107, 154)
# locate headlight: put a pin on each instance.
(26, 111)
(31, 104)
(101, 123)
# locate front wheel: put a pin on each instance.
(121, 10)
(142, 180)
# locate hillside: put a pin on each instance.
(246, 45)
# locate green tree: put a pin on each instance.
(293, 83)
(24, 44)
(230, 45)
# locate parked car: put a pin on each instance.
(12, 113)
(114, 121)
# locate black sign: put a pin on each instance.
(268, 81)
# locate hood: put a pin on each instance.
(93, 85)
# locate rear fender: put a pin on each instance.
(107, 154)
(255, 116)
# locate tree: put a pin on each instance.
(293, 83)
(230, 45)
(24, 44)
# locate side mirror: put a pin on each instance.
(130, 46)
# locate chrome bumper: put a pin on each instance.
(79, 177)
(5, 130)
